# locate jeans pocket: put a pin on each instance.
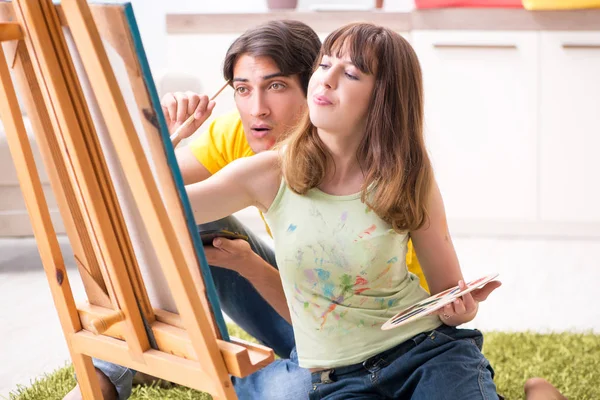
(478, 341)
(420, 338)
(441, 337)
(472, 336)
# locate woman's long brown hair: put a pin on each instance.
(392, 154)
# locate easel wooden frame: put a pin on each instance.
(190, 349)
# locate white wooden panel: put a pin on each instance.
(481, 116)
(570, 126)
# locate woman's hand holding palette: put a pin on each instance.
(434, 303)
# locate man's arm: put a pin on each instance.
(267, 281)
(191, 169)
(238, 256)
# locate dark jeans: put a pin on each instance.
(444, 364)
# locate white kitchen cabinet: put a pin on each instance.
(195, 62)
(481, 121)
(570, 127)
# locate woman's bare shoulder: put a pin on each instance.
(264, 162)
(261, 174)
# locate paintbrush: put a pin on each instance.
(191, 117)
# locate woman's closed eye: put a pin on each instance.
(348, 74)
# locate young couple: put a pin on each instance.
(345, 191)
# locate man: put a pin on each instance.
(269, 68)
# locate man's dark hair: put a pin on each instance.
(292, 45)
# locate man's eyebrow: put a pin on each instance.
(264, 78)
(274, 75)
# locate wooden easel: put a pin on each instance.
(191, 347)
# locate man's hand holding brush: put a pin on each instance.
(185, 112)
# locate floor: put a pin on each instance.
(548, 285)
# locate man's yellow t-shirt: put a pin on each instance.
(225, 141)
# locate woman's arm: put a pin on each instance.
(250, 181)
(439, 262)
(434, 247)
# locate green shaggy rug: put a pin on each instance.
(570, 361)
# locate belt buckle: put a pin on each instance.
(326, 376)
(373, 363)
(368, 363)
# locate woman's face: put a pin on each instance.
(339, 95)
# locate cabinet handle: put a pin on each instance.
(580, 46)
(474, 46)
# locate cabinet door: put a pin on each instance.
(481, 121)
(570, 126)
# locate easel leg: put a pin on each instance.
(42, 225)
(86, 376)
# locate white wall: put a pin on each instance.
(150, 15)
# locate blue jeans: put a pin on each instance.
(443, 364)
(282, 379)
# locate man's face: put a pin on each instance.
(269, 103)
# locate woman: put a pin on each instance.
(342, 196)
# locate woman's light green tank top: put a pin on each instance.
(344, 274)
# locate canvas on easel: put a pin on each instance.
(84, 78)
